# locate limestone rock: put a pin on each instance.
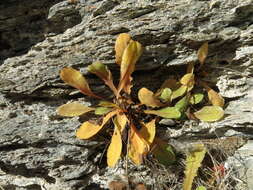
(38, 148)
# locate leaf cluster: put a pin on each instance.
(174, 100)
(179, 99)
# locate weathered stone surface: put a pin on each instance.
(22, 24)
(39, 149)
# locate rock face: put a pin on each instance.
(22, 24)
(38, 148)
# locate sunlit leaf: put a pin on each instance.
(104, 73)
(122, 120)
(215, 98)
(102, 110)
(201, 188)
(73, 109)
(138, 147)
(89, 129)
(193, 162)
(115, 147)
(182, 104)
(168, 112)
(210, 113)
(163, 152)
(129, 58)
(148, 131)
(179, 92)
(165, 94)
(107, 104)
(196, 98)
(121, 43)
(202, 53)
(188, 79)
(100, 70)
(147, 97)
(75, 79)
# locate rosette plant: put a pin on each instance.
(126, 115)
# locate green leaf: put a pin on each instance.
(201, 188)
(168, 112)
(163, 152)
(165, 95)
(196, 98)
(102, 110)
(210, 113)
(100, 70)
(182, 104)
(179, 92)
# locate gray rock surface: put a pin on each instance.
(39, 149)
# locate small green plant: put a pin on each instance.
(193, 161)
(174, 100)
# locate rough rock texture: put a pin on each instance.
(22, 24)
(39, 149)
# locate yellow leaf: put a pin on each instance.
(215, 98)
(210, 113)
(193, 162)
(130, 56)
(138, 146)
(88, 129)
(147, 97)
(75, 79)
(115, 147)
(202, 53)
(120, 45)
(73, 109)
(122, 120)
(148, 131)
(188, 80)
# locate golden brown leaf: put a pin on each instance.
(100, 70)
(115, 147)
(148, 131)
(202, 53)
(75, 79)
(122, 120)
(138, 146)
(215, 98)
(73, 109)
(147, 97)
(120, 45)
(190, 68)
(104, 73)
(130, 56)
(88, 129)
